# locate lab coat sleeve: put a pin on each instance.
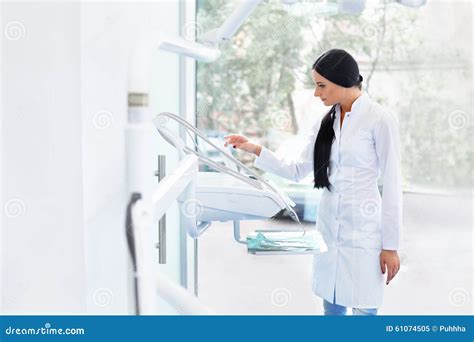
(387, 146)
(294, 170)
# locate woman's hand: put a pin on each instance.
(242, 143)
(389, 261)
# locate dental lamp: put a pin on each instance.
(189, 48)
(208, 49)
(412, 3)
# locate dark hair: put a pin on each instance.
(322, 150)
(322, 147)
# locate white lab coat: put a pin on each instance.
(355, 221)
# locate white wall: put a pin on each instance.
(64, 114)
(43, 243)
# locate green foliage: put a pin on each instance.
(256, 71)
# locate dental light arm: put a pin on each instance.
(208, 50)
(232, 23)
(160, 121)
(188, 48)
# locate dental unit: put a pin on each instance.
(233, 195)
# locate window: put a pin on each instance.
(261, 85)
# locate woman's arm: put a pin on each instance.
(242, 143)
(269, 161)
(387, 146)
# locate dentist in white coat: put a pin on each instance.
(354, 144)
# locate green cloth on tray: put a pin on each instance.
(287, 241)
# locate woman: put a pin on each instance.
(348, 149)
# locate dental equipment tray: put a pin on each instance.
(274, 242)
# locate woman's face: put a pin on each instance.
(330, 93)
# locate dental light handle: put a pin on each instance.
(203, 137)
(160, 121)
(169, 136)
(224, 154)
(174, 140)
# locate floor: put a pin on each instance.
(435, 278)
